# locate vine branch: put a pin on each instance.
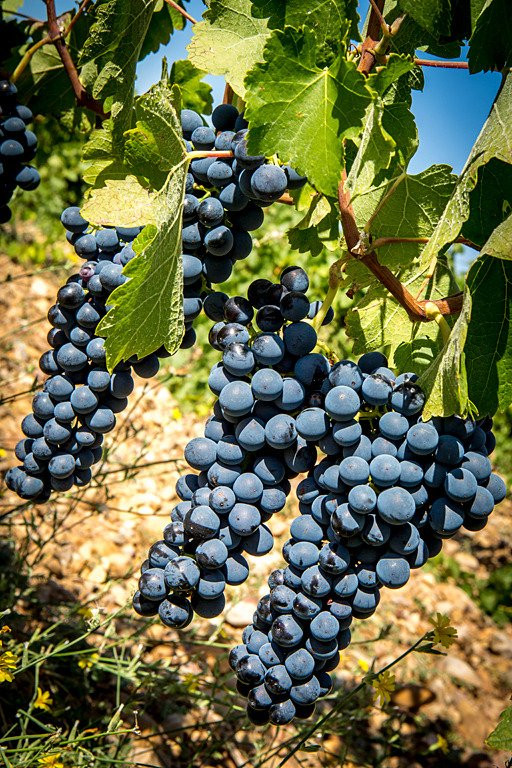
(441, 63)
(182, 11)
(367, 59)
(415, 308)
(82, 97)
(357, 243)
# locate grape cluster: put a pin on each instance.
(250, 450)
(80, 394)
(386, 491)
(79, 399)
(389, 490)
(17, 147)
(224, 202)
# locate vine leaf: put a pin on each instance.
(328, 18)
(445, 380)
(378, 320)
(304, 112)
(120, 203)
(164, 21)
(490, 46)
(229, 41)
(490, 201)
(110, 54)
(103, 159)
(147, 310)
(488, 347)
(432, 15)
(401, 207)
(153, 146)
(45, 83)
(387, 129)
(318, 229)
(195, 94)
(494, 142)
(501, 737)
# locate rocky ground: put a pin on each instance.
(91, 549)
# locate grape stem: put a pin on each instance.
(196, 154)
(25, 60)
(359, 249)
(56, 36)
(182, 11)
(432, 312)
(335, 273)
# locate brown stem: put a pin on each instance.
(82, 97)
(372, 37)
(286, 199)
(228, 94)
(182, 11)
(378, 12)
(441, 63)
(81, 9)
(415, 308)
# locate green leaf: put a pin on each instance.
(489, 202)
(493, 142)
(327, 19)
(318, 229)
(195, 94)
(378, 320)
(429, 648)
(488, 347)
(147, 310)
(120, 203)
(111, 52)
(432, 15)
(490, 46)
(44, 83)
(501, 737)
(376, 149)
(103, 160)
(415, 355)
(229, 41)
(10, 6)
(164, 21)
(445, 380)
(302, 112)
(404, 207)
(155, 145)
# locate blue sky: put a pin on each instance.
(449, 112)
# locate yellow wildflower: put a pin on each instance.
(363, 665)
(43, 700)
(88, 661)
(4, 629)
(8, 662)
(440, 744)
(51, 761)
(176, 414)
(383, 686)
(444, 633)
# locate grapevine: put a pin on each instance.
(386, 452)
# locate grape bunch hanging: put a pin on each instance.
(80, 399)
(382, 488)
(17, 147)
(386, 491)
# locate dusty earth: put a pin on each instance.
(95, 548)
